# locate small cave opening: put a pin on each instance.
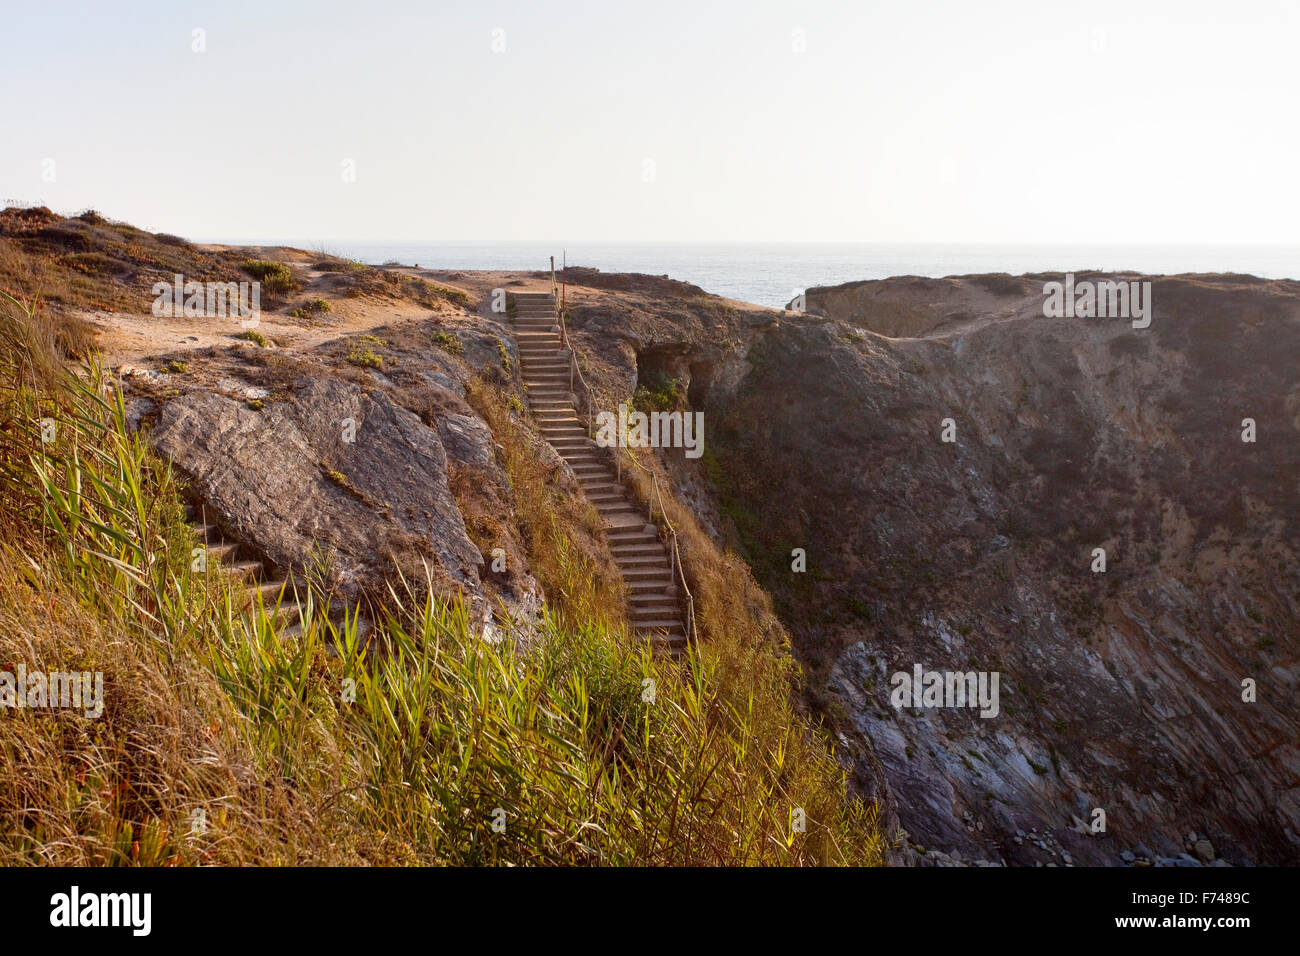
(669, 377)
(663, 377)
(697, 389)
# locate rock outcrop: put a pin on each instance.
(334, 468)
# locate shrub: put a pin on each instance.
(311, 309)
(365, 358)
(448, 342)
(276, 277)
(659, 394)
(254, 336)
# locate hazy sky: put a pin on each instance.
(1041, 121)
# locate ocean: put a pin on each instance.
(772, 273)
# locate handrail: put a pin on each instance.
(674, 551)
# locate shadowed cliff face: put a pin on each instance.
(1119, 690)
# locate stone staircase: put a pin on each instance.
(654, 610)
(224, 554)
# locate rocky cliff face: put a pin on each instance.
(1120, 690)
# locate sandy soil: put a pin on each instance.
(139, 339)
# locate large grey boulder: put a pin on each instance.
(334, 467)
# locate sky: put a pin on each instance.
(1142, 121)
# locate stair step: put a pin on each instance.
(643, 599)
(220, 550)
(660, 609)
(671, 645)
(647, 573)
(655, 588)
(656, 623)
(642, 561)
(642, 540)
(645, 531)
(632, 550)
(272, 591)
(661, 587)
(243, 569)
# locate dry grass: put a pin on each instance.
(88, 262)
